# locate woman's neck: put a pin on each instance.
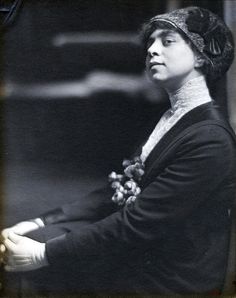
(194, 91)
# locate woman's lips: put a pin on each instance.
(156, 64)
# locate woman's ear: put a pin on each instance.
(199, 61)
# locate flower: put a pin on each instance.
(115, 184)
(115, 177)
(126, 163)
(131, 200)
(135, 169)
(129, 185)
(118, 198)
(126, 186)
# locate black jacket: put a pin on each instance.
(175, 237)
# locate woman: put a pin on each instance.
(163, 225)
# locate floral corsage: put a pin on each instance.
(126, 185)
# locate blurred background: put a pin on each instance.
(75, 98)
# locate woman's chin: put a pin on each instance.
(157, 79)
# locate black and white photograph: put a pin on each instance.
(118, 148)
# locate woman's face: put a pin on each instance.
(170, 60)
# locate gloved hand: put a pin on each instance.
(24, 254)
(24, 227)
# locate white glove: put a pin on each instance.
(24, 254)
(24, 227)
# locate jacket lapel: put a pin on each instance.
(205, 112)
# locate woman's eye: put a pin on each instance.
(167, 42)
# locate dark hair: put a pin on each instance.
(149, 27)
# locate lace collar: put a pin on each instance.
(193, 93)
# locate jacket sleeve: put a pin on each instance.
(202, 161)
(90, 207)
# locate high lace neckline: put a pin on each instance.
(193, 92)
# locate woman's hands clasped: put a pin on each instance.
(20, 253)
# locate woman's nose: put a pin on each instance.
(154, 50)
